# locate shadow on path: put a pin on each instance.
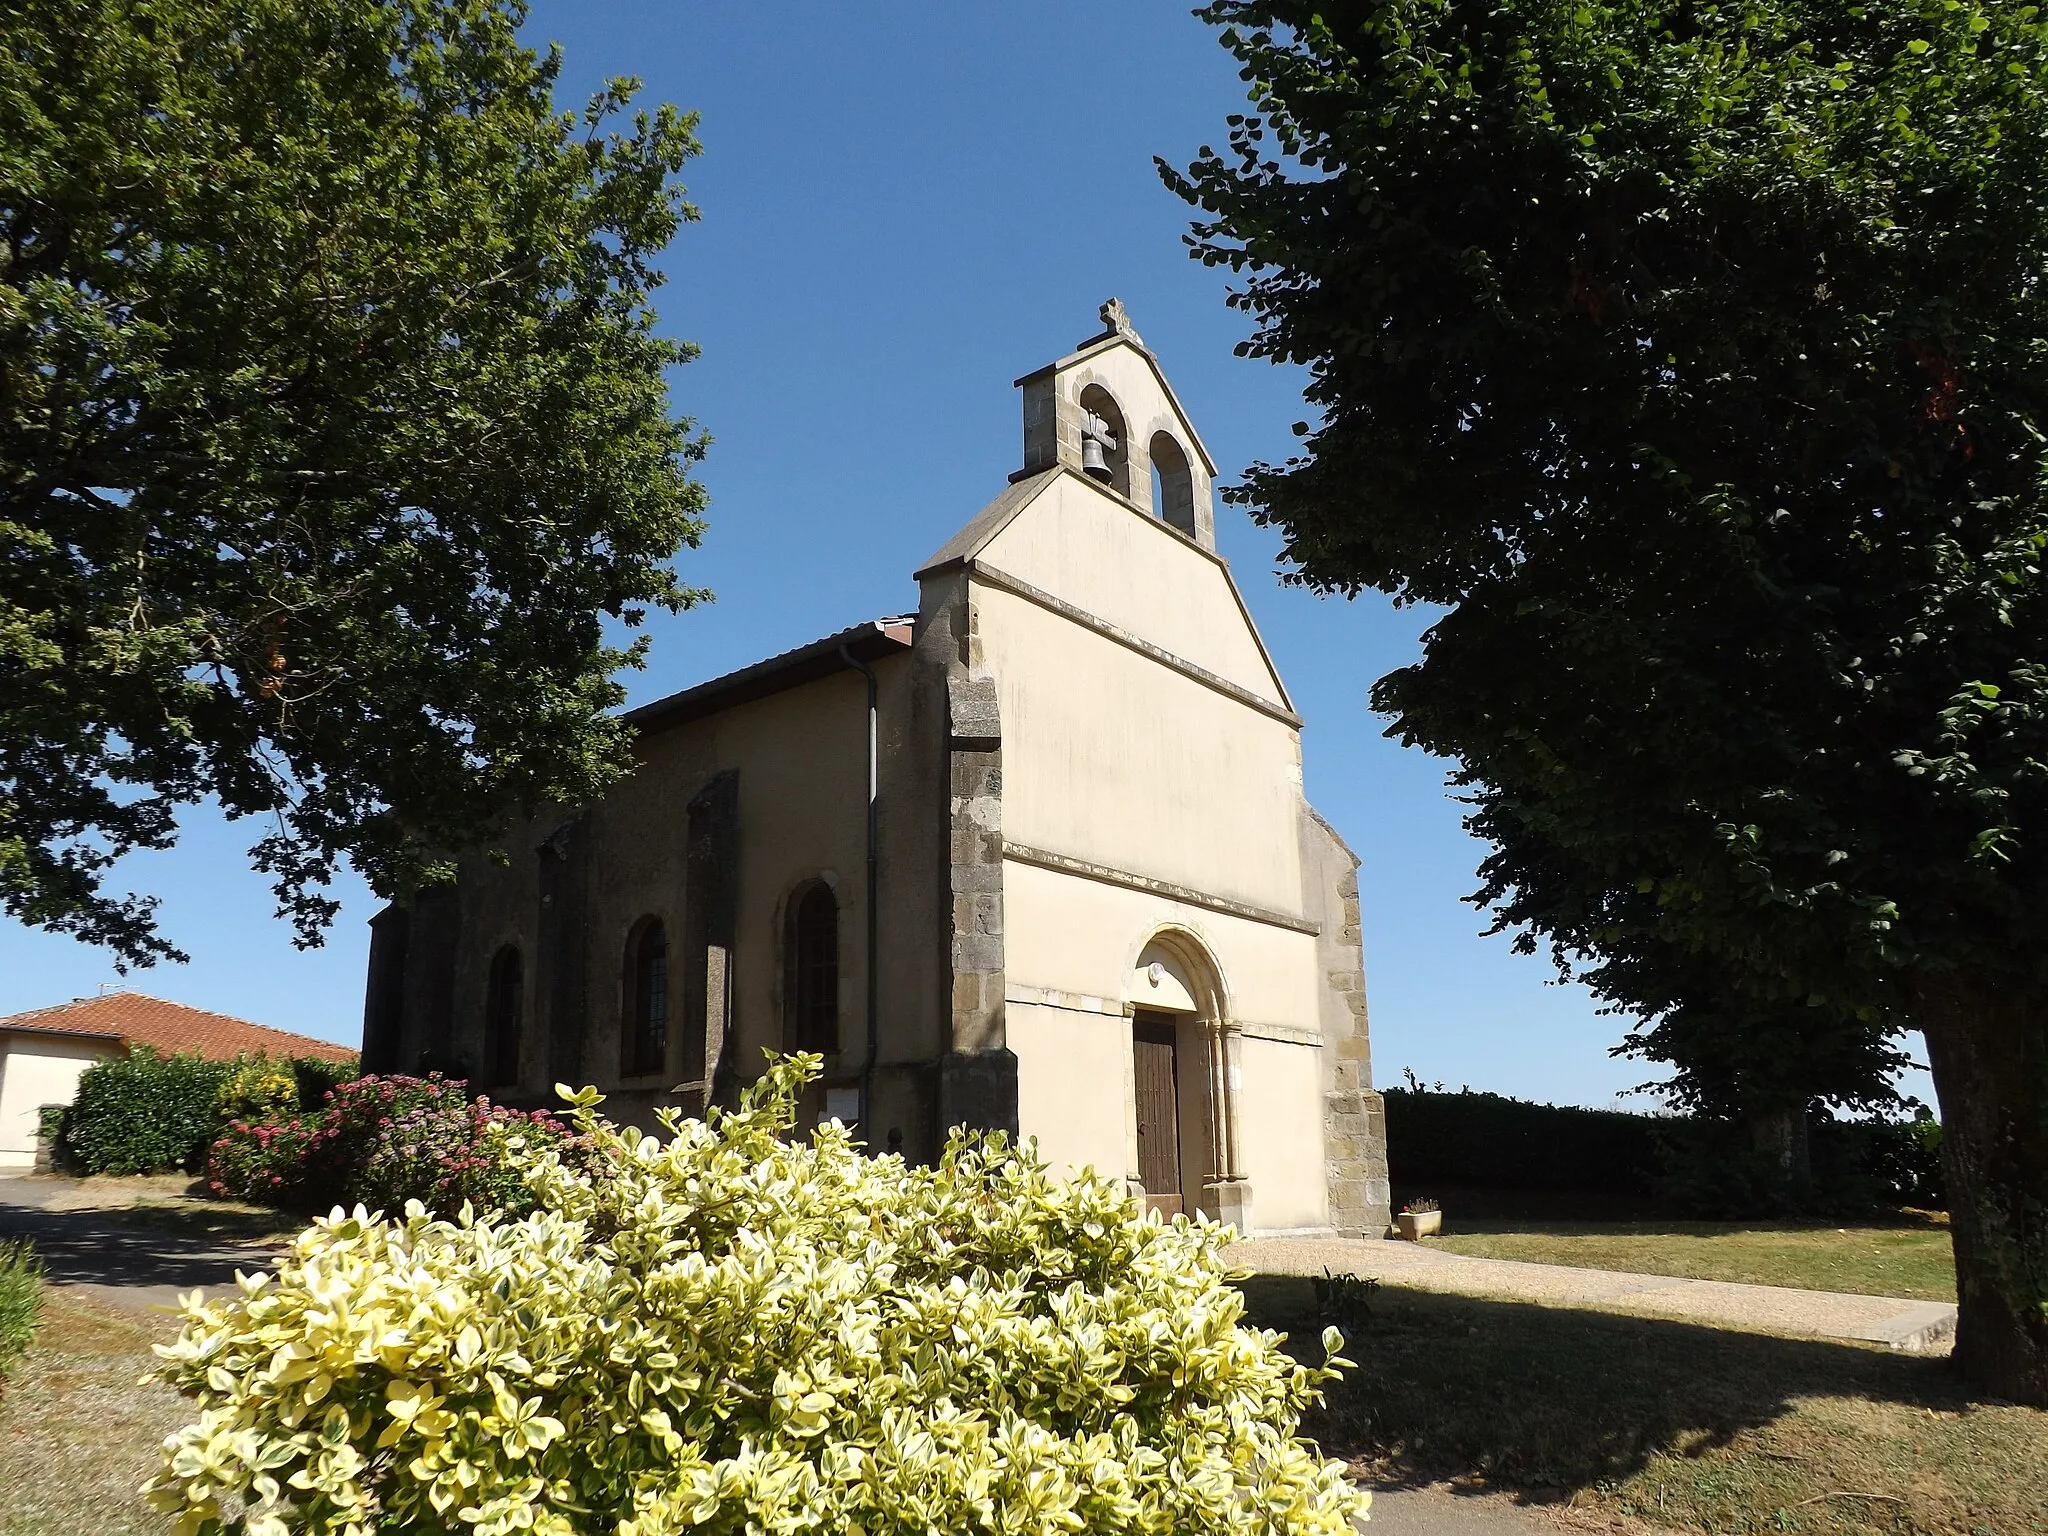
(121, 1257)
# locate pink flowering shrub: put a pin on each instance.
(260, 1160)
(451, 1151)
(383, 1141)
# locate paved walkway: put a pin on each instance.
(1918, 1327)
(1439, 1510)
(115, 1256)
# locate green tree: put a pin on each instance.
(1694, 358)
(333, 430)
(1764, 1067)
(1766, 1064)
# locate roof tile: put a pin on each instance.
(171, 1027)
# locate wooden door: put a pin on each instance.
(1152, 1051)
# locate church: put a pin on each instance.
(1036, 857)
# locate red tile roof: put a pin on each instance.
(169, 1027)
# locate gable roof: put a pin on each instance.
(991, 520)
(132, 1018)
(966, 546)
(807, 663)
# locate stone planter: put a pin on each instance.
(1417, 1224)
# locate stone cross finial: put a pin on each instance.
(1114, 319)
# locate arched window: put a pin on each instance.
(502, 1005)
(811, 970)
(1173, 483)
(646, 1035)
(1102, 433)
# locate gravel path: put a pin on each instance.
(1918, 1327)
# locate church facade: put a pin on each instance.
(1036, 857)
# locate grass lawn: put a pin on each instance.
(77, 1433)
(1641, 1424)
(1907, 1255)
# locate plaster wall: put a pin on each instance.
(426, 991)
(1076, 935)
(36, 1070)
(1073, 1071)
(1281, 1134)
(1073, 944)
(801, 760)
(1113, 758)
(499, 905)
(1088, 547)
(801, 757)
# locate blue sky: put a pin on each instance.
(904, 208)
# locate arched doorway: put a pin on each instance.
(1183, 1145)
(1155, 1081)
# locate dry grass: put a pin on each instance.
(1646, 1424)
(1908, 1255)
(77, 1433)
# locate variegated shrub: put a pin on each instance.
(740, 1334)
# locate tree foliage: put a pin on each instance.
(1731, 1057)
(333, 428)
(732, 1330)
(1694, 358)
(1738, 1051)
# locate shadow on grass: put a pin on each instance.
(1552, 1401)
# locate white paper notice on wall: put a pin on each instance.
(841, 1104)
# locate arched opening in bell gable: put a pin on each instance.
(1105, 442)
(1173, 484)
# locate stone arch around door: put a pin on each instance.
(1184, 1066)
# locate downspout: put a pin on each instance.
(867, 1071)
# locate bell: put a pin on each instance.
(1093, 464)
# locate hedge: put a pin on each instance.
(1470, 1140)
(741, 1326)
(150, 1113)
(1487, 1141)
(143, 1113)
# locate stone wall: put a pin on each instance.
(978, 1073)
(1354, 1118)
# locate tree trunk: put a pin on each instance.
(1988, 1048)
(1781, 1135)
